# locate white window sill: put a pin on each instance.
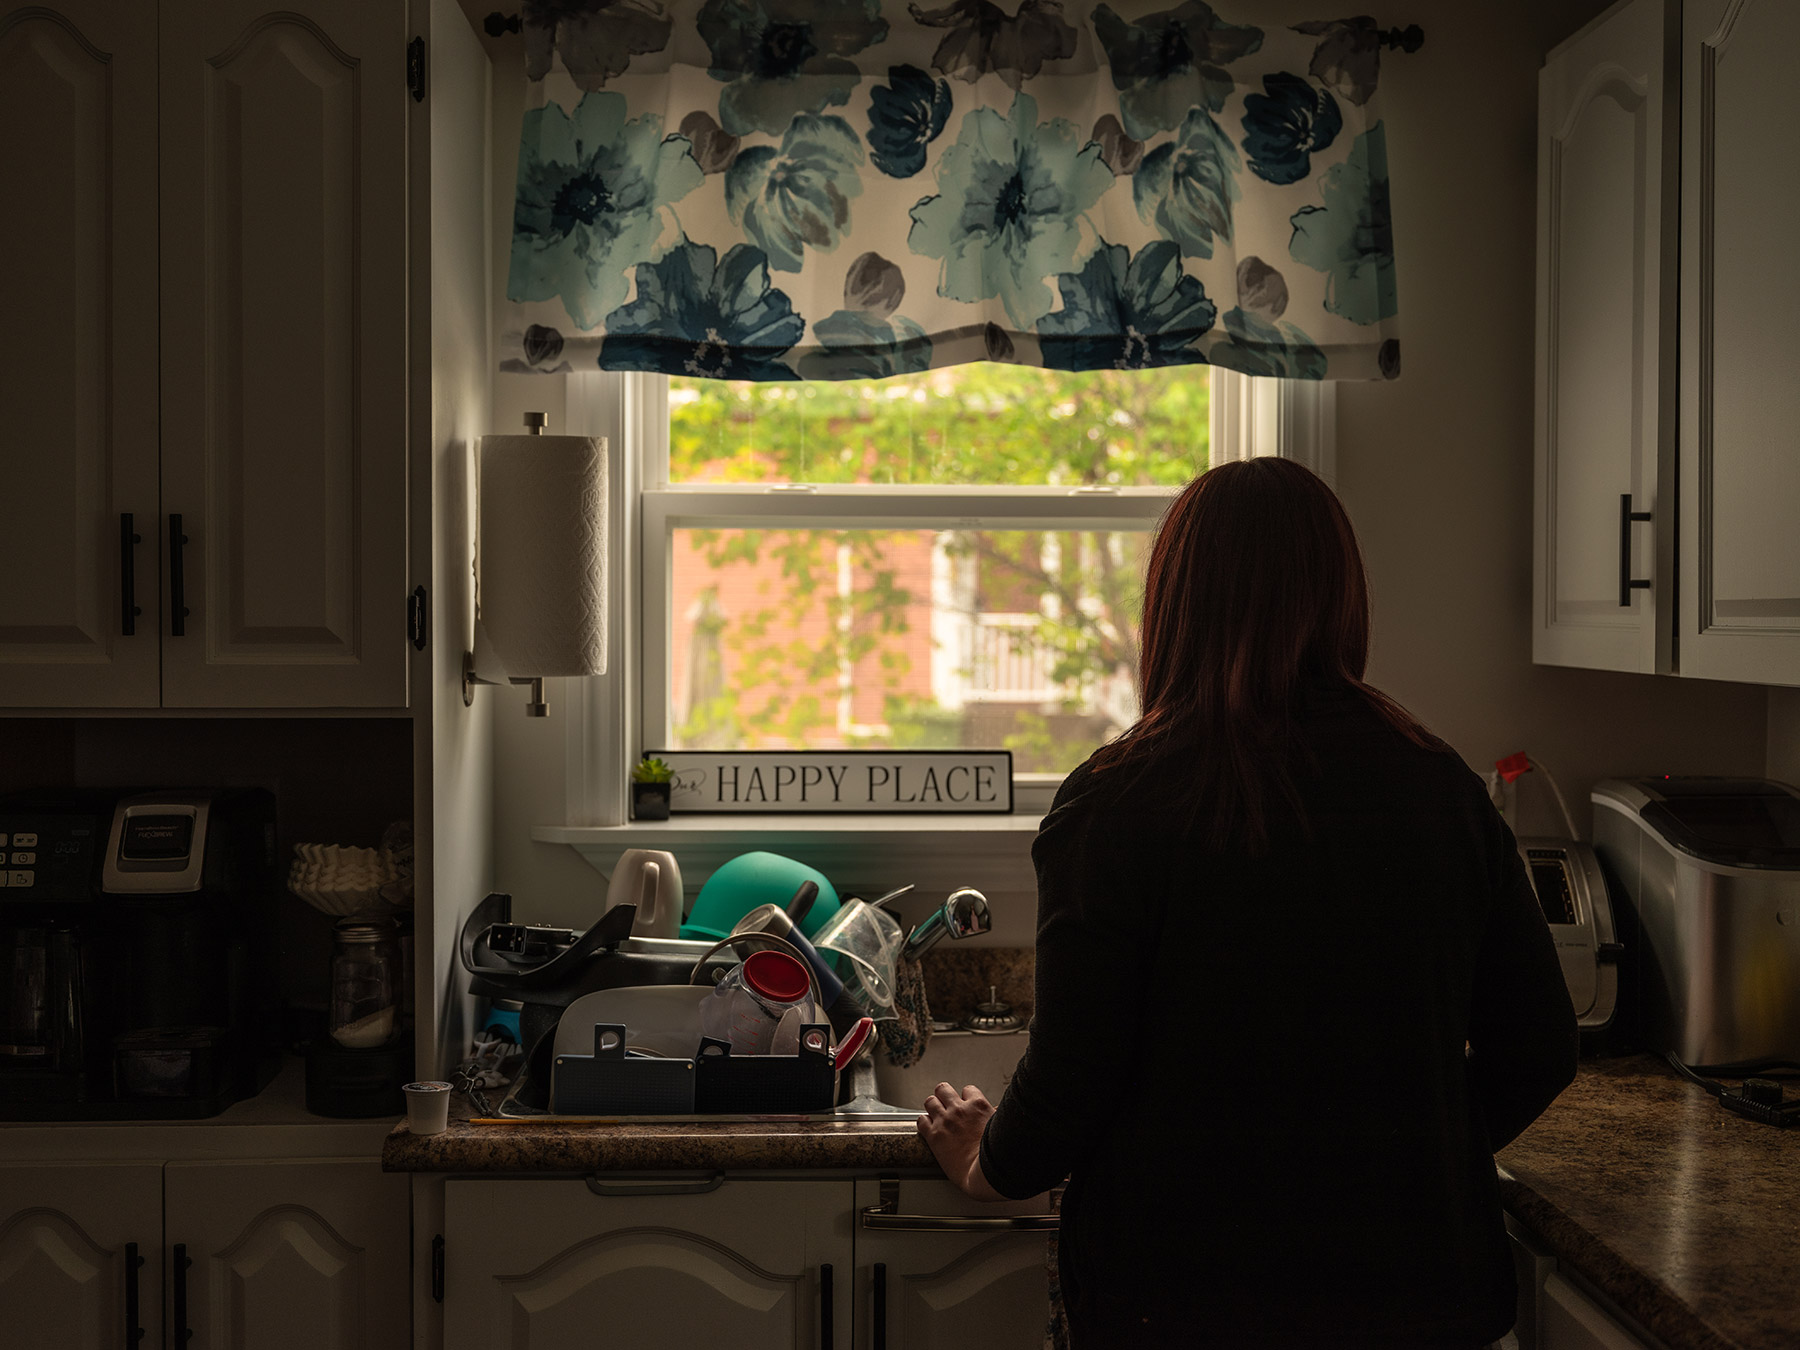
(866, 854)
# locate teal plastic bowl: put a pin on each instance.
(753, 879)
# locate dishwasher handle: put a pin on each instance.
(886, 1216)
(612, 1187)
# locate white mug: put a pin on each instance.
(651, 880)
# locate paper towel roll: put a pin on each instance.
(542, 546)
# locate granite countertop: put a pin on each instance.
(887, 1144)
(1683, 1214)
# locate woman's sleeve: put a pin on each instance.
(1523, 1039)
(1089, 957)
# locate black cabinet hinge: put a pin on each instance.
(415, 68)
(417, 612)
(437, 1268)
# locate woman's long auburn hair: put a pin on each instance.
(1255, 585)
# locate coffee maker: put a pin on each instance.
(136, 954)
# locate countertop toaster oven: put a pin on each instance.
(1572, 892)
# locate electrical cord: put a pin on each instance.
(1563, 806)
(1757, 1098)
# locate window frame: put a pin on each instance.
(620, 715)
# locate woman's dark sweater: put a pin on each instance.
(1253, 1070)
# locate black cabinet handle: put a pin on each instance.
(1627, 582)
(183, 1332)
(178, 610)
(825, 1308)
(880, 1340)
(128, 609)
(133, 1263)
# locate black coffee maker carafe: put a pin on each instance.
(52, 1020)
(45, 984)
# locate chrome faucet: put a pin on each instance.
(963, 914)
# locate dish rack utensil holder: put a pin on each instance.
(611, 1082)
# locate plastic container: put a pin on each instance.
(427, 1107)
(747, 1006)
(752, 879)
(772, 919)
(869, 940)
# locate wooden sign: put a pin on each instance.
(840, 782)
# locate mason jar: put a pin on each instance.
(365, 983)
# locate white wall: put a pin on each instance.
(457, 796)
(1435, 469)
(551, 882)
(1784, 735)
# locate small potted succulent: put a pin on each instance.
(650, 787)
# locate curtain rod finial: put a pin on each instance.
(498, 24)
(1408, 39)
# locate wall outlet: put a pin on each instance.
(1504, 796)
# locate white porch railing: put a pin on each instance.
(1006, 664)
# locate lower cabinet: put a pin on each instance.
(71, 1235)
(257, 1255)
(308, 1254)
(756, 1265)
(1553, 1313)
(927, 1278)
(1569, 1320)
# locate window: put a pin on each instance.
(949, 559)
(953, 558)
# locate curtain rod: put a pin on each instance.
(1408, 39)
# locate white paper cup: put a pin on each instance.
(427, 1107)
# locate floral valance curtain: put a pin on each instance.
(846, 189)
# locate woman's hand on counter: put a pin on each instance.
(952, 1127)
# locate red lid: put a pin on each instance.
(852, 1045)
(777, 976)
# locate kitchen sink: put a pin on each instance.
(957, 1057)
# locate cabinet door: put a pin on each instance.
(749, 1264)
(67, 1231)
(284, 350)
(78, 416)
(1605, 347)
(310, 1254)
(1569, 1320)
(1740, 400)
(948, 1289)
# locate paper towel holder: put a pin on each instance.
(536, 706)
(482, 664)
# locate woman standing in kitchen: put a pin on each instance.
(1293, 986)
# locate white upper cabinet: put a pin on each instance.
(1740, 337)
(203, 340)
(1668, 339)
(78, 355)
(1605, 348)
(284, 376)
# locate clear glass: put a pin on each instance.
(912, 638)
(994, 425)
